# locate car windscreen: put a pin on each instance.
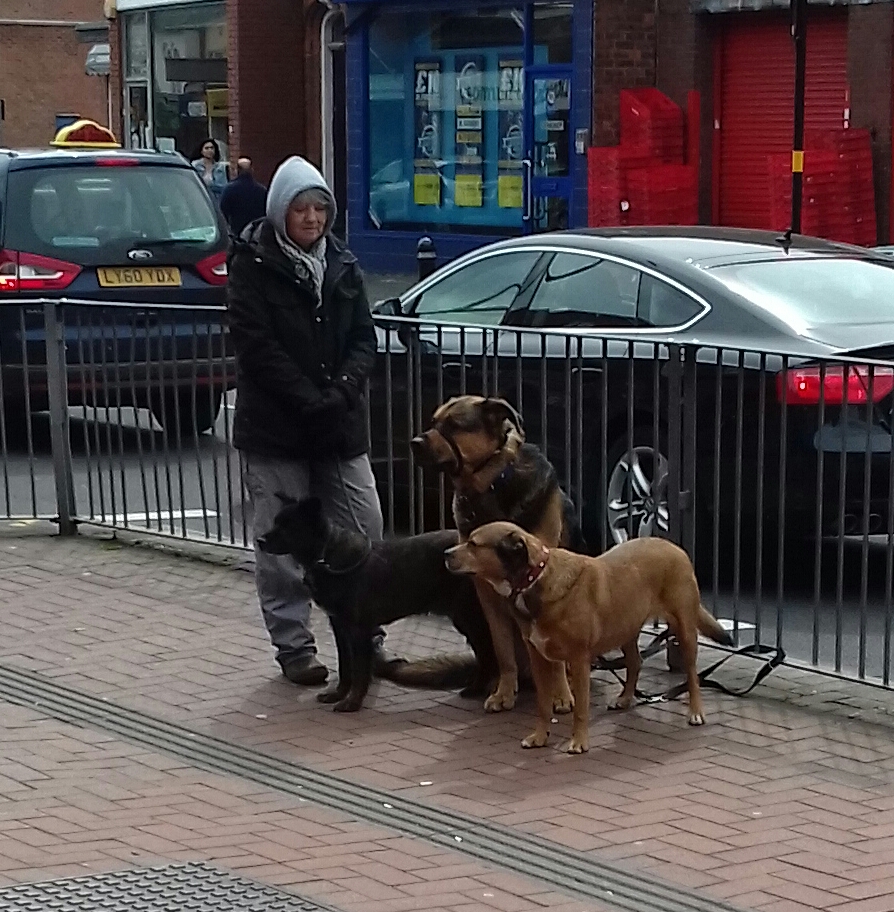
(807, 292)
(88, 214)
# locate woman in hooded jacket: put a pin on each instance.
(305, 343)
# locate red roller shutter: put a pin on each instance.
(755, 101)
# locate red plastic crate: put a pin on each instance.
(653, 124)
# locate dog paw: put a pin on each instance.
(696, 719)
(621, 704)
(330, 696)
(563, 704)
(499, 702)
(535, 739)
(349, 705)
(576, 746)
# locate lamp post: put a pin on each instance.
(799, 35)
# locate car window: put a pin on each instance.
(813, 292)
(480, 292)
(583, 290)
(83, 211)
(660, 304)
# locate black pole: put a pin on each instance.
(799, 34)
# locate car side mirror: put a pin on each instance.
(390, 307)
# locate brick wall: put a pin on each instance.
(267, 81)
(115, 84)
(685, 62)
(62, 86)
(68, 10)
(624, 48)
(870, 30)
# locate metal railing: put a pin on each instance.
(775, 473)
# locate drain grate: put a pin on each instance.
(172, 888)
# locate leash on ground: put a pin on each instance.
(773, 657)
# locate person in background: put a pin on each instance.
(244, 199)
(215, 173)
(305, 343)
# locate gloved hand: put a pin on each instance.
(332, 405)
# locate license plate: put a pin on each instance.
(138, 276)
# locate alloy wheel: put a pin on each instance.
(636, 505)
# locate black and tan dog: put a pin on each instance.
(480, 443)
(362, 584)
(573, 608)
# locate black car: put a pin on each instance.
(94, 224)
(742, 357)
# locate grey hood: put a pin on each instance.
(292, 177)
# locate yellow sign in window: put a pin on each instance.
(509, 191)
(427, 189)
(469, 190)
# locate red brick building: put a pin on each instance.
(44, 45)
(472, 120)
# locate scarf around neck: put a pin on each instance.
(313, 260)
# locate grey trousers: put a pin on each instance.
(348, 491)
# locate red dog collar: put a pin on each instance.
(532, 574)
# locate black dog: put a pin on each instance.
(362, 584)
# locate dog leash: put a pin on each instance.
(773, 657)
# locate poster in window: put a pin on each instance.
(469, 133)
(510, 113)
(427, 143)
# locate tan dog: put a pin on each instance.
(480, 443)
(573, 608)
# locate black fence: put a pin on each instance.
(774, 471)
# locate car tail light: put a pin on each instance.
(809, 385)
(116, 162)
(30, 272)
(213, 269)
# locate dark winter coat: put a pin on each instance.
(301, 364)
(243, 200)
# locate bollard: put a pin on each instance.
(426, 257)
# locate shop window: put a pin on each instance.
(481, 292)
(136, 46)
(583, 290)
(446, 95)
(552, 30)
(189, 66)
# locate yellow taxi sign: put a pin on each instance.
(85, 134)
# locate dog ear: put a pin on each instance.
(513, 553)
(500, 410)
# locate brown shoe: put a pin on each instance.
(305, 670)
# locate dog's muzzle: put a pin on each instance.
(425, 452)
(453, 560)
(262, 543)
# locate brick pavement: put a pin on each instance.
(783, 802)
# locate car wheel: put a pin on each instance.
(635, 501)
(187, 412)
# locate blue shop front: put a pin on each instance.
(467, 122)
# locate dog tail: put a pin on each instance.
(709, 626)
(446, 671)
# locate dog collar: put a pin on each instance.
(532, 574)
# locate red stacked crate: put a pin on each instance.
(606, 187)
(643, 181)
(818, 194)
(853, 208)
(663, 195)
(651, 122)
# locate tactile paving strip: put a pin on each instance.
(173, 888)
